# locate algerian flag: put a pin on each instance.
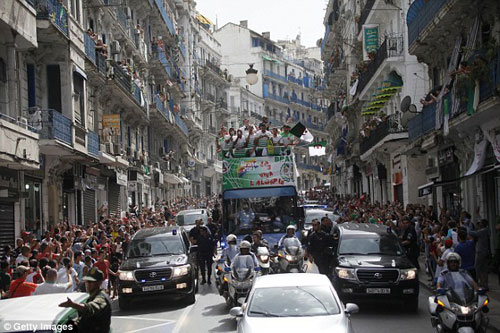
(317, 149)
(301, 132)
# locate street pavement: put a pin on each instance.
(209, 314)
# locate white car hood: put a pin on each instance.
(334, 323)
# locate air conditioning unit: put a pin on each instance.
(109, 148)
(128, 11)
(115, 47)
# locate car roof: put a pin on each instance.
(148, 232)
(192, 211)
(351, 228)
(37, 308)
(291, 280)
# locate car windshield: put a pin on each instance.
(190, 219)
(271, 214)
(155, 246)
(293, 302)
(383, 244)
(319, 215)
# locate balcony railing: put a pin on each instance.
(389, 126)
(90, 50)
(277, 98)
(182, 48)
(101, 63)
(391, 47)
(162, 108)
(275, 75)
(306, 166)
(93, 143)
(166, 17)
(325, 38)
(364, 14)
(293, 79)
(420, 14)
(122, 78)
(180, 123)
(317, 127)
(487, 86)
(54, 11)
(136, 92)
(56, 126)
(422, 123)
(122, 18)
(165, 62)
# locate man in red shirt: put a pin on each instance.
(19, 287)
(103, 265)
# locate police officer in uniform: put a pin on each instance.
(409, 241)
(95, 314)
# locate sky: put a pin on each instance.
(283, 18)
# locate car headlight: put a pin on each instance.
(180, 271)
(345, 273)
(408, 274)
(126, 275)
(289, 257)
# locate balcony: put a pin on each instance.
(317, 127)
(305, 166)
(365, 12)
(90, 50)
(423, 123)
(487, 86)
(293, 79)
(182, 48)
(390, 48)
(388, 131)
(166, 18)
(276, 76)
(55, 12)
(181, 124)
(277, 98)
(19, 148)
(93, 143)
(420, 15)
(325, 38)
(162, 109)
(165, 63)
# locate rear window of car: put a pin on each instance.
(190, 218)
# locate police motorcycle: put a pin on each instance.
(459, 308)
(264, 260)
(228, 253)
(242, 274)
(290, 257)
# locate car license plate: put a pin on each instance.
(378, 290)
(153, 288)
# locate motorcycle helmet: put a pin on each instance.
(245, 245)
(231, 239)
(291, 226)
(453, 256)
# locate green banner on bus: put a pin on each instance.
(254, 172)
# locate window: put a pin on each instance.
(78, 99)
(54, 87)
(255, 42)
(30, 69)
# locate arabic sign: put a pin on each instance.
(370, 40)
(254, 172)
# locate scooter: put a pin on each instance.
(221, 278)
(239, 283)
(290, 258)
(462, 312)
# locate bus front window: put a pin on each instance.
(271, 215)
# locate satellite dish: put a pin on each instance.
(405, 104)
(412, 108)
(406, 118)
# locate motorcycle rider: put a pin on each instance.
(245, 247)
(453, 275)
(231, 250)
(290, 233)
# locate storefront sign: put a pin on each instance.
(258, 172)
(479, 157)
(111, 124)
(121, 178)
(370, 40)
(445, 156)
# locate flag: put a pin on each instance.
(317, 149)
(446, 108)
(301, 132)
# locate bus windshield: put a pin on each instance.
(269, 214)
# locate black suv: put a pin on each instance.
(159, 262)
(371, 264)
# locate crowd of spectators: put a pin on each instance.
(57, 259)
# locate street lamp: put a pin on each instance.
(252, 77)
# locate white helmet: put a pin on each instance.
(231, 238)
(453, 256)
(291, 226)
(245, 245)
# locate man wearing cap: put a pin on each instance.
(95, 314)
(19, 287)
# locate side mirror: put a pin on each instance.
(351, 308)
(193, 249)
(236, 312)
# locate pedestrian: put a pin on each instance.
(51, 286)
(206, 249)
(19, 287)
(409, 241)
(103, 265)
(483, 254)
(4, 278)
(316, 245)
(441, 264)
(466, 249)
(95, 314)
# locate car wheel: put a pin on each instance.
(196, 284)
(191, 297)
(412, 305)
(123, 303)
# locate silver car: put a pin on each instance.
(187, 218)
(293, 303)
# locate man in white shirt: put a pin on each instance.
(261, 139)
(245, 129)
(66, 268)
(51, 287)
(24, 256)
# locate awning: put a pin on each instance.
(79, 71)
(172, 179)
(265, 57)
(426, 189)
(185, 180)
(203, 19)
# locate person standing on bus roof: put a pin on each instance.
(261, 139)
